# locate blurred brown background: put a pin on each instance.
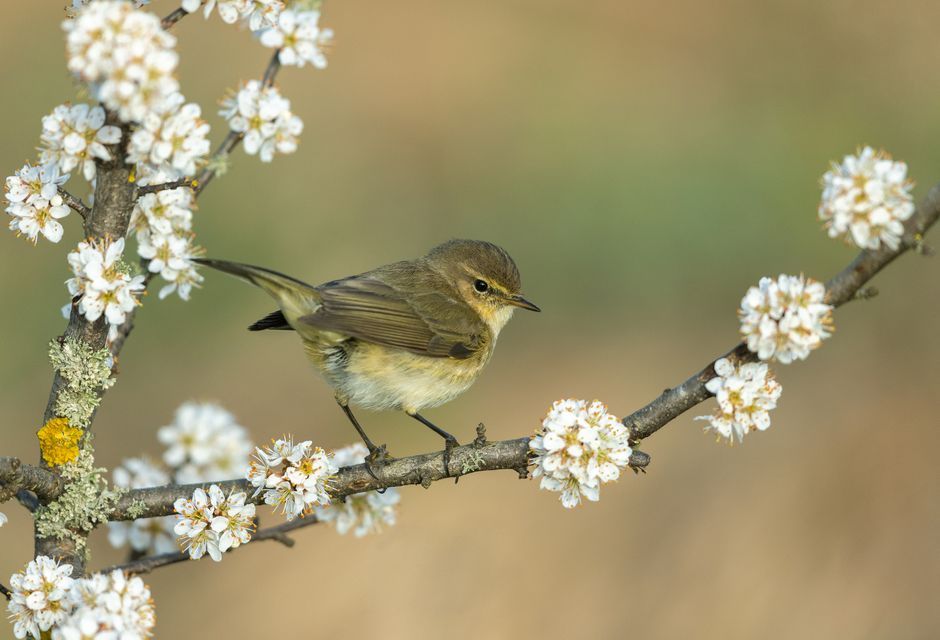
(644, 163)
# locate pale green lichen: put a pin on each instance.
(86, 502)
(86, 373)
(136, 509)
(472, 463)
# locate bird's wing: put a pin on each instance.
(425, 322)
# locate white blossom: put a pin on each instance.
(229, 10)
(74, 136)
(746, 394)
(153, 535)
(213, 523)
(786, 318)
(171, 255)
(299, 37)
(579, 447)
(258, 14)
(108, 607)
(3, 518)
(34, 202)
(124, 55)
(866, 199)
(167, 211)
(205, 444)
(101, 281)
(363, 513)
(174, 139)
(264, 116)
(293, 478)
(39, 598)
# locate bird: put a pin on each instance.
(408, 336)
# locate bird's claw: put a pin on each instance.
(378, 457)
(449, 444)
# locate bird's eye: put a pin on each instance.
(481, 286)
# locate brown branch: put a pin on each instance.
(75, 204)
(234, 137)
(165, 186)
(278, 534)
(6, 592)
(172, 18)
(16, 476)
(840, 289)
(420, 469)
(109, 218)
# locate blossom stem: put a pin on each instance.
(165, 186)
(76, 204)
(173, 17)
(277, 533)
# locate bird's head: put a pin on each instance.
(485, 277)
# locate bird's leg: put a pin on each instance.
(377, 455)
(449, 441)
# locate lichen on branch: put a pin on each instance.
(86, 372)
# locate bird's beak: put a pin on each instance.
(519, 301)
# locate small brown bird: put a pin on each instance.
(409, 335)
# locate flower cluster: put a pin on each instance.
(265, 119)
(34, 202)
(866, 199)
(746, 394)
(162, 222)
(74, 136)
(579, 446)
(299, 38)
(255, 14)
(213, 522)
(152, 535)
(362, 513)
(124, 55)
(108, 606)
(102, 281)
(40, 597)
(171, 139)
(786, 318)
(294, 478)
(205, 444)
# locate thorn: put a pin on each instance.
(480, 440)
(425, 480)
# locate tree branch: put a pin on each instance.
(175, 184)
(839, 290)
(109, 218)
(278, 534)
(420, 469)
(16, 476)
(172, 18)
(75, 203)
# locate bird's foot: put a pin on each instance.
(378, 457)
(449, 444)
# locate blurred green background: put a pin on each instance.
(644, 163)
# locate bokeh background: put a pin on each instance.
(645, 163)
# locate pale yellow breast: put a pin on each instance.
(379, 378)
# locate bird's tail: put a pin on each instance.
(296, 298)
